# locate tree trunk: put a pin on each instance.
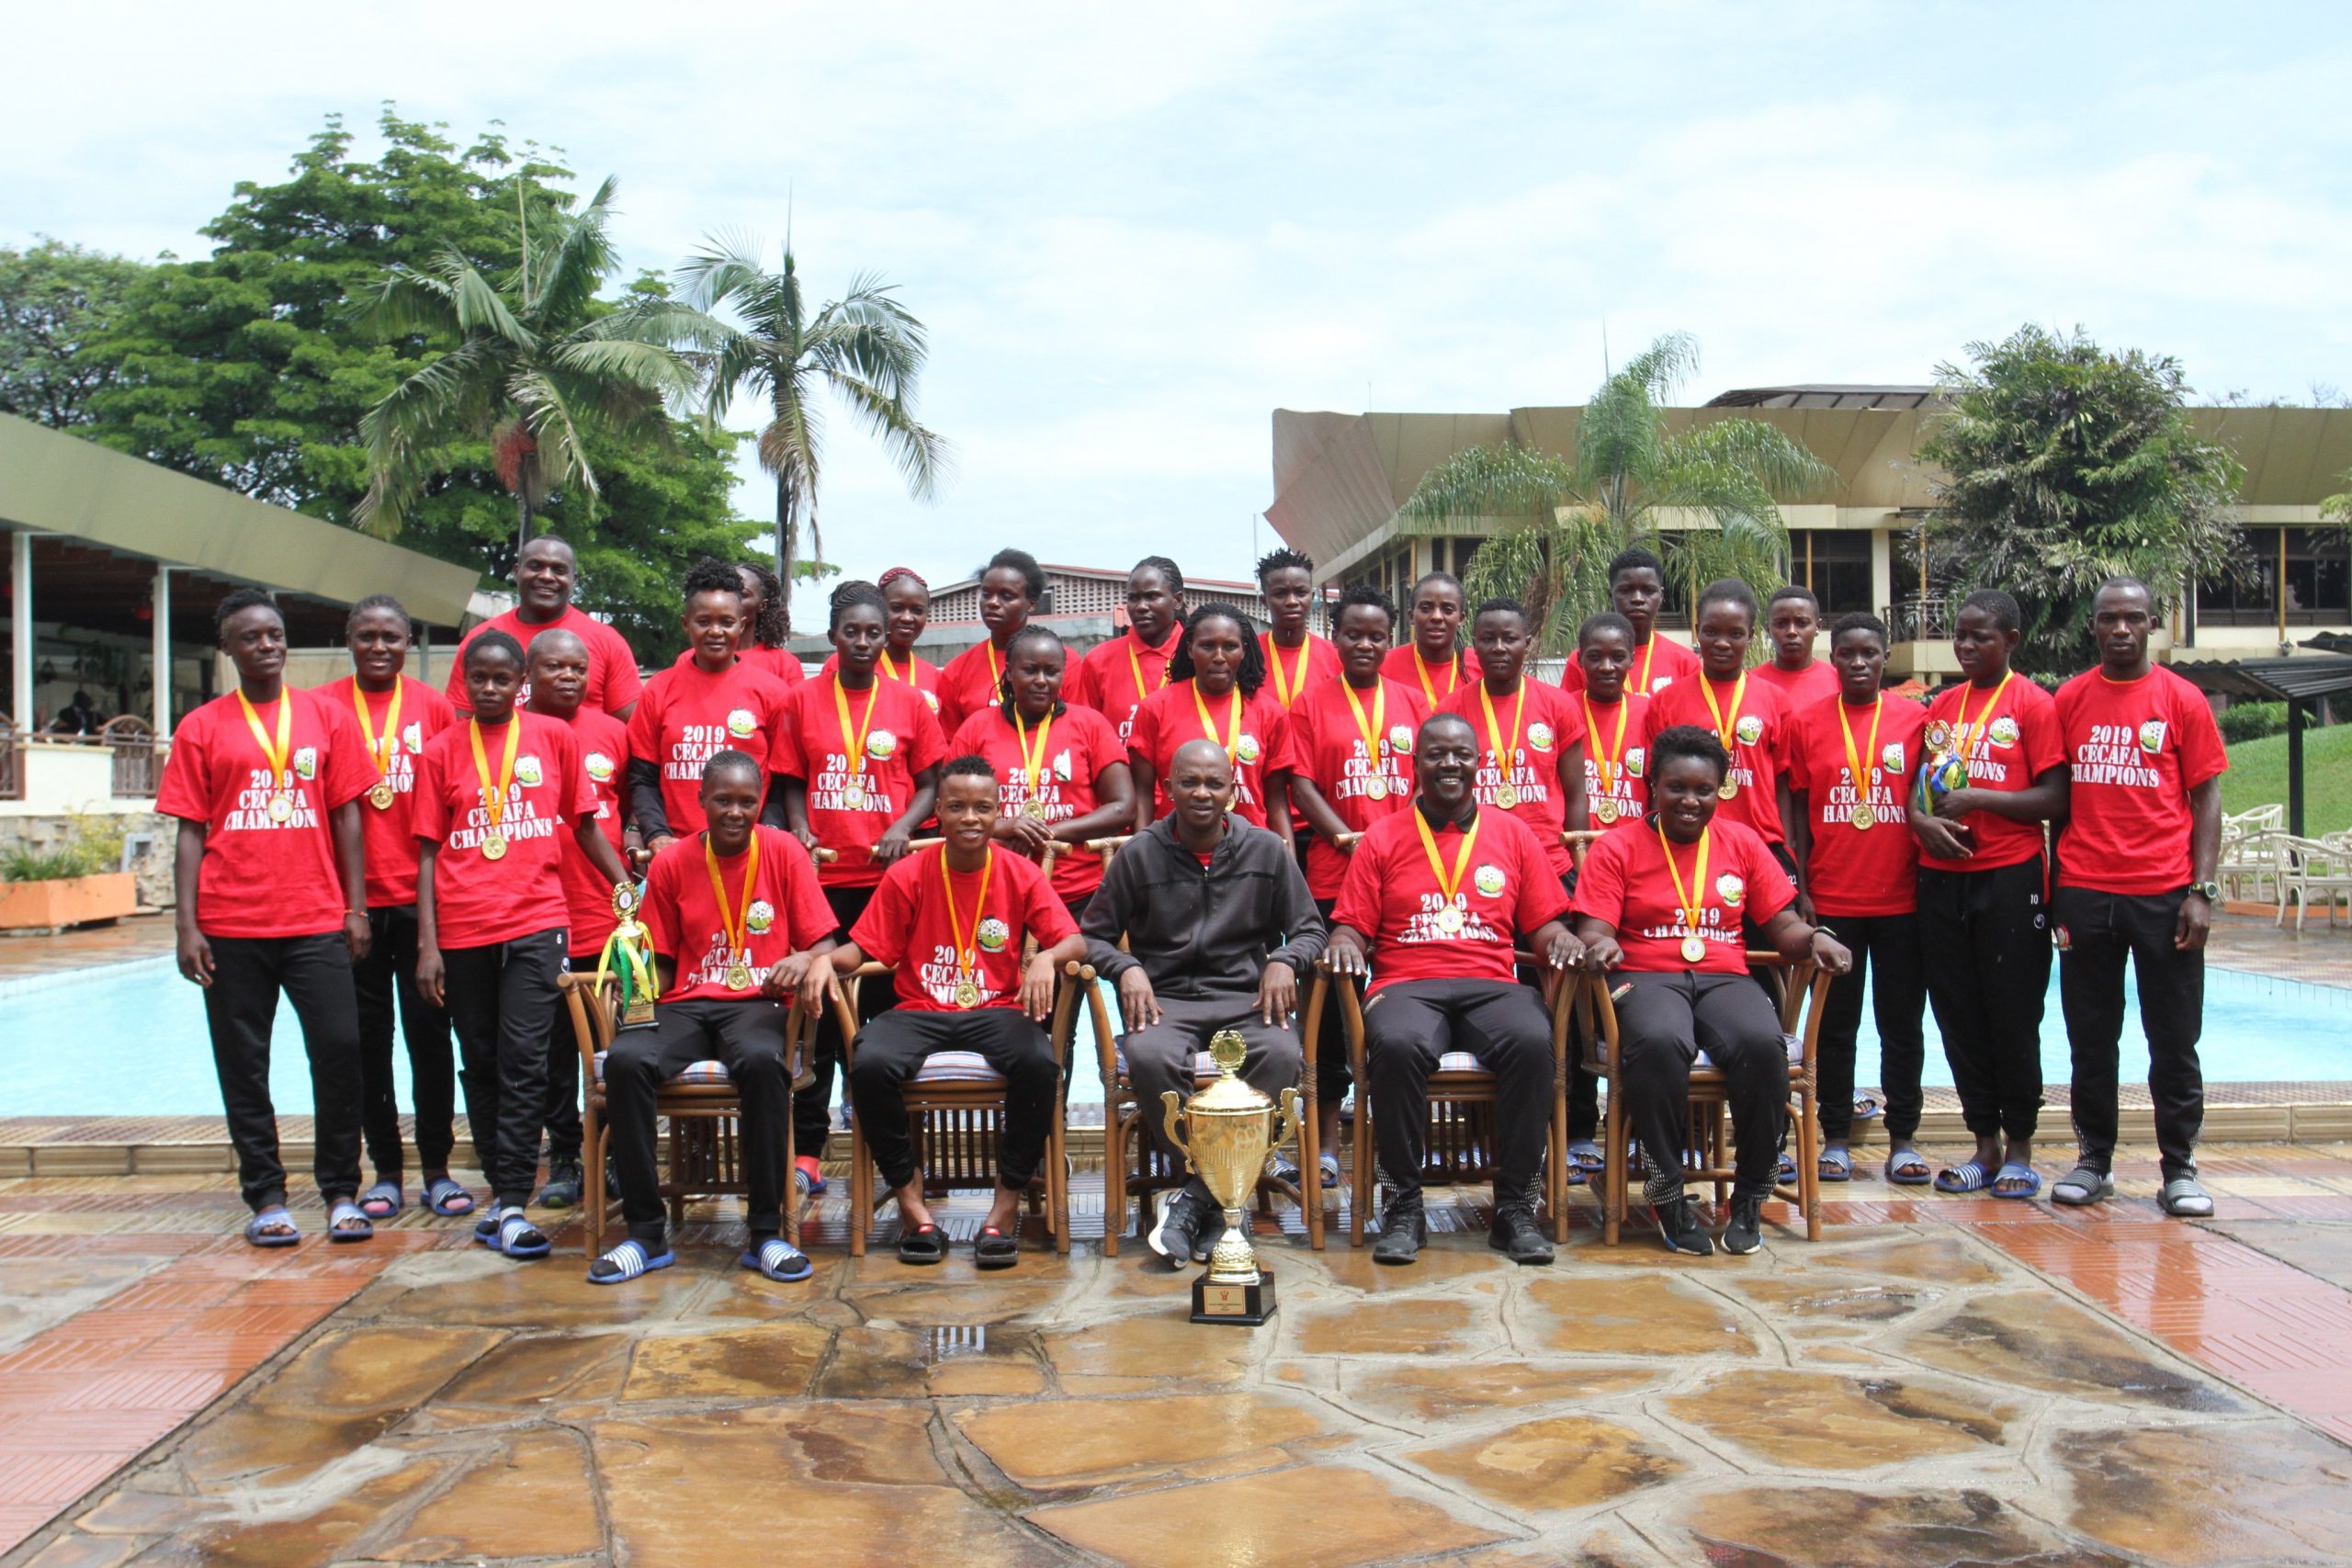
(786, 544)
(522, 523)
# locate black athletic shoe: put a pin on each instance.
(1181, 1219)
(562, 1191)
(1516, 1233)
(1745, 1234)
(1678, 1226)
(1403, 1228)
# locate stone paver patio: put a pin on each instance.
(1941, 1381)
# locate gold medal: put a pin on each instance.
(493, 845)
(1694, 949)
(967, 992)
(853, 798)
(1033, 762)
(738, 976)
(281, 798)
(1864, 817)
(1373, 729)
(1506, 797)
(735, 915)
(1033, 810)
(1605, 812)
(495, 796)
(1687, 908)
(1607, 764)
(1728, 788)
(380, 751)
(1376, 787)
(281, 807)
(1505, 752)
(968, 951)
(1727, 732)
(381, 797)
(1450, 920)
(854, 740)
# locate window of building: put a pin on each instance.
(2314, 564)
(1836, 564)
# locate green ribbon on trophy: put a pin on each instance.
(629, 959)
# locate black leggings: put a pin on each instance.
(500, 997)
(1663, 1024)
(748, 1036)
(891, 1051)
(387, 975)
(1886, 963)
(240, 1006)
(1984, 945)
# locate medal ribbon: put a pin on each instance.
(887, 668)
(1287, 688)
(1135, 668)
(1649, 652)
(1232, 743)
(1504, 758)
(1033, 758)
(379, 750)
(1690, 908)
(285, 747)
(738, 927)
(1374, 730)
(967, 937)
(1739, 695)
(1453, 676)
(1437, 863)
(1984, 718)
(1853, 758)
(1605, 763)
(854, 744)
(494, 796)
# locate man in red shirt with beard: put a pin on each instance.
(544, 574)
(2135, 882)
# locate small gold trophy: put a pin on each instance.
(1234, 1128)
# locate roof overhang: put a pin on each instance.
(2299, 680)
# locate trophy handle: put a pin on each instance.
(1288, 1131)
(1172, 1108)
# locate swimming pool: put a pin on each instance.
(128, 1040)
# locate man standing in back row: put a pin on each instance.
(545, 572)
(2135, 880)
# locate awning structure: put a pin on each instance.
(2298, 682)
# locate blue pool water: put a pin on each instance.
(128, 1040)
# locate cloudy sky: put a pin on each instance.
(1135, 232)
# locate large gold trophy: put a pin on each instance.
(1234, 1128)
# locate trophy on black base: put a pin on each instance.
(1233, 1127)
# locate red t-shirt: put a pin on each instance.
(260, 877)
(1393, 896)
(901, 740)
(1292, 672)
(1859, 870)
(1625, 882)
(788, 913)
(1800, 690)
(1106, 680)
(1548, 721)
(603, 767)
(969, 683)
(1618, 756)
(1658, 664)
(906, 924)
(687, 716)
(477, 901)
(1759, 745)
(613, 681)
(2137, 748)
(1170, 719)
(1077, 746)
(1327, 745)
(2008, 743)
(391, 846)
(914, 671)
(778, 664)
(1435, 683)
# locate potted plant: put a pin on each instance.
(72, 882)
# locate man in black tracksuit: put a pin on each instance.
(1219, 926)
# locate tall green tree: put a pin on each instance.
(55, 299)
(865, 348)
(539, 364)
(1553, 522)
(2066, 464)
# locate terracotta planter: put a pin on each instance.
(73, 901)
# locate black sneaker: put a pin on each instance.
(1516, 1233)
(1403, 1228)
(1678, 1226)
(562, 1191)
(1745, 1234)
(1182, 1217)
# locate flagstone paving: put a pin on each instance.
(1937, 1382)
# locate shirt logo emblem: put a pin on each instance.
(413, 739)
(993, 934)
(2003, 731)
(1488, 880)
(1540, 737)
(1634, 758)
(526, 769)
(1245, 749)
(1891, 757)
(1400, 737)
(1750, 729)
(599, 766)
(740, 722)
(306, 762)
(2152, 737)
(759, 917)
(1731, 890)
(881, 745)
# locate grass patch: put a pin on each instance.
(2257, 776)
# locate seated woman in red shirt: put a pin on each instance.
(492, 795)
(953, 919)
(738, 927)
(1218, 692)
(1665, 904)
(1064, 769)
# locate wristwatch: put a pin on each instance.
(2209, 891)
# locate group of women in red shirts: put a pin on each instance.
(377, 848)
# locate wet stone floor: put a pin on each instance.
(1913, 1390)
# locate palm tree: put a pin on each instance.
(541, 366)
(866, 347)
(1556, 521)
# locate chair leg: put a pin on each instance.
(593, 1199)
(1360, 1171)
(1115, 1169)
(1616, 1170)
(1555, 1184)
(1310, 1172)
(1809, 1170)
(861, 1189)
